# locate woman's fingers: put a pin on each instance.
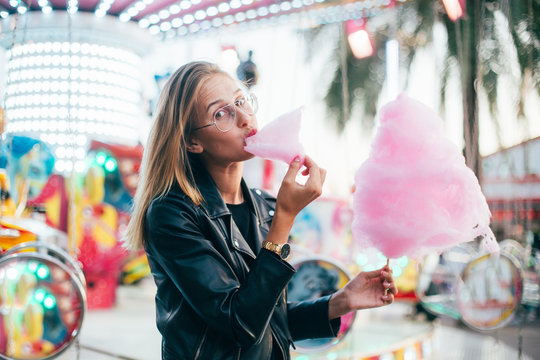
(294, 166)
(316, 175)
(372, 274)
(322, 172)
(388, 298)
(323, 175)
(292, 196)
(388, 282)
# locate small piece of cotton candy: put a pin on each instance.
(414, 194)
(279, 139)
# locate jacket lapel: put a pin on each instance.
(215, 207)
(263, 214)
(238, 240)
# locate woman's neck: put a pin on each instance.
(228, 181)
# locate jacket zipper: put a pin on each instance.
(197, 353)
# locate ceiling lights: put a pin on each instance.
(67, 94)
(72, 6)
(134, 10)
(188, 21)
(45, 6)
(184, 17)
(103, 7)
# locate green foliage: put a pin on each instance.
(365, 81)
(477, 36)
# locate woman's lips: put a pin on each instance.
(252, 132)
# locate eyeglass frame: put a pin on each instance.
(234, 106)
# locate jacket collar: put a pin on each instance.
(214, 205)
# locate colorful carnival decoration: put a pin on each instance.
(320, 221)
(42, 302)
(11, 235)
(316, 277)
(439, 279)
(112, 177)
(134, 268)
(7, 207)
(122, 163)
(98, 221)
(101, 197)
(53, 199)
(485, 291)
(490, 292)
(29, 163)
(415, 195)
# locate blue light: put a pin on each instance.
(403, 261)
(49, 302)
(100, 158)
(39, 295)
(110, 165)
(42, 272)
(361, 259)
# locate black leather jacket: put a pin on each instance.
(215, 298)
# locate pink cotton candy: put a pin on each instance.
(414, 194)
(279, 139)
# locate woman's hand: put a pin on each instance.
(293, 197)
(367, 290)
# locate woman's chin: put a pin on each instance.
(248, 156)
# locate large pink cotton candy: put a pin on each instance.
(414, 194)
(279, 139)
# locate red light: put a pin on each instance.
(454, 8)
(359, 39)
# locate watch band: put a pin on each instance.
(282, 250)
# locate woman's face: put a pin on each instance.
(221, 147)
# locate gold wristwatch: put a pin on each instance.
(282, 250)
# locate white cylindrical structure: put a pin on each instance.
(392, 68)
(72, 80)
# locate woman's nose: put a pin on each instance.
(243, 119)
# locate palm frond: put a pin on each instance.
(471, 43)
(524, 27)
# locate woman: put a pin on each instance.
(221, 278)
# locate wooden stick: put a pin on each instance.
(387, 265)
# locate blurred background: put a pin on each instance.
(78, 89)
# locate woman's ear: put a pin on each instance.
(194, 146)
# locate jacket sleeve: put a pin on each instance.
(240, 311)
(309, 319)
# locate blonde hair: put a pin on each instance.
(165, 157)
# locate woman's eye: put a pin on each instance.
(220, 114)
(240, 102)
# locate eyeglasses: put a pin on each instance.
(225, 116)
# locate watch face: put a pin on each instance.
(285, 251)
